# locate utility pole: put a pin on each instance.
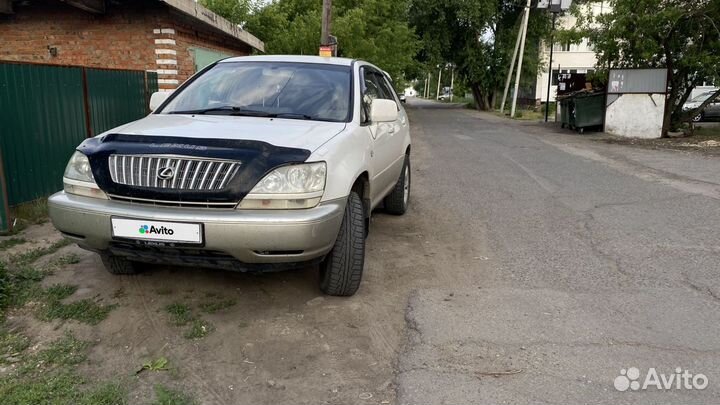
(452, 83)
(520, 60)
(550, 69)
(437, 95)
(512, 65)
(326, 22)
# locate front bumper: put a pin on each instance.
(248, 236)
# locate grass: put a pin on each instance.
(34, 254)
(66, 351)
(180, 314)
(85, 311)
(12, 344)
(199, 329)
(65, 260)
(34, 212)
(167, 396)
(211, 307)
(8, 243)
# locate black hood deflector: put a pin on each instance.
(257, 159)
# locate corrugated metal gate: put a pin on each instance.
(47, 110)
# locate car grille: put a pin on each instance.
(172, 172)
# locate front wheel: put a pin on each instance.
(341, 271)
(697, 118)
(396, 202)
(118, 265)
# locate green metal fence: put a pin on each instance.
(47, 110)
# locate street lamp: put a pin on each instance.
(555, 7)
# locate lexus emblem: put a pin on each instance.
(166, 173)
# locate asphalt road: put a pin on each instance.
(559, 261)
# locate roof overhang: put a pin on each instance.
(202, 14)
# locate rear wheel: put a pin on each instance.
(341, 271)
(118, 265)
(697, 118)
(397, 201)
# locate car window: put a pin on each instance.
(385, 88)
(301, 90)
(374, 85)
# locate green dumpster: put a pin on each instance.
(564, 104)
(588, 111)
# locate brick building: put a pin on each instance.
(175, 38)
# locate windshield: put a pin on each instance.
(269, 89)
(702, 97)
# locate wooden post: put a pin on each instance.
(326, 22)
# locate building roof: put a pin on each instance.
(203, 15)
(292, 58)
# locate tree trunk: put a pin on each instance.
(477, 95)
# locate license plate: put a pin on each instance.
(158, 231)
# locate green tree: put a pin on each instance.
(372, 30)
(680, 35)
(478, 36)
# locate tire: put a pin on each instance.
(341, 271)
(118, 265)
(698, 118)
(396, 202)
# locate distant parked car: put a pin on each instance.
(402, 97)
(444, 97)
(711, 110)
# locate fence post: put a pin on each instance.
(5, 224)
(86, 104)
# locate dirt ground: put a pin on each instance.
(705, 141)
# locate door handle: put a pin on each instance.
(392, 129)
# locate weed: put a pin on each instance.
(19, 286)
(211, 307)
(159, 364)
(8, 243)
(66, 351)
(85, 311)
(167, 396)
(56, 388)
(64, 260)
(33, 212)
(180, 314)
(108, 393)
(199, 329)
(59, 292)
(12, 344)
(34, 254)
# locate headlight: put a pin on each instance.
(288, 187)
(78, 178)
(78, 168)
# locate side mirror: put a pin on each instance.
(382, 110)
(158, 98)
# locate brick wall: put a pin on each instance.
(138, 35)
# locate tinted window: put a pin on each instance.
(297, 90)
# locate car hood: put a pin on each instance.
(302, 134)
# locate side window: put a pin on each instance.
(374, 86)
(370, 91)
(385, 88)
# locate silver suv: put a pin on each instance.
(255, 163)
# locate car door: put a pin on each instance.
(712, 110)
(384, 150)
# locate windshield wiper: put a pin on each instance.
(228, 110)
(294, 116)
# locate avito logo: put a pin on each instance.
(145, 229)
